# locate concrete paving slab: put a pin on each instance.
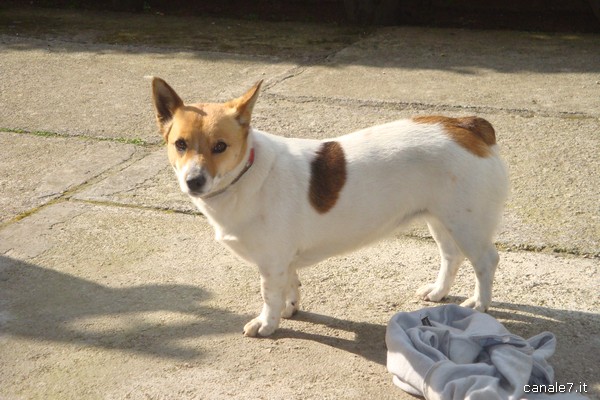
(129, 303)
(99, 90)
(149, 182)
(554, 175)
(552, 161)
(35, 170)
(80, 72)
(510, 70)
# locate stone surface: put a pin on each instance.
(99, 90)
(147, 301)
(35, 170)
(458, 68)
(111, 285)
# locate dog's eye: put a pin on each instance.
(180, 145)
(219, 147)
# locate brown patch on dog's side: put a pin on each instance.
(327, 176)
(472, 133)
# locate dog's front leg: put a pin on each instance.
(273, 285)
(292, 296)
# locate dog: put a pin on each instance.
(287, 203)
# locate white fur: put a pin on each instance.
(395, 172)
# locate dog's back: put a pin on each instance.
(369, 183)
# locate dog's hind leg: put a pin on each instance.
(485, 264)
(451, 259)
(474, 237)
(292, 297)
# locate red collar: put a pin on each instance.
(246, 168)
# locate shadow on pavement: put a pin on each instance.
(41, 304)
(369, 341)
(404, 48)
(575, 360)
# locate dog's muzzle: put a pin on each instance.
(196, 183)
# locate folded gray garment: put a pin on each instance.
(466, 354)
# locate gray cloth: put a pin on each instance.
(466, 354)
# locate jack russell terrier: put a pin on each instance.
(284, 204)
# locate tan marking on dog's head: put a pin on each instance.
(327, 176)
(472, 133)
(207, 135)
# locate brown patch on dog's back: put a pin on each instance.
(472, 133)
(327, 176)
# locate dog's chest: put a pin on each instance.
(239, 248)
(238, 243)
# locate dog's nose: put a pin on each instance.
(195, 183)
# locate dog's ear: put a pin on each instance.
(166, 102)
(243, 105)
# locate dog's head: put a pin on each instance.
(206, 142)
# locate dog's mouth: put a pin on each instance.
(195, 194)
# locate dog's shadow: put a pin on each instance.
(369, 338)
(368, 342)
(575, 359)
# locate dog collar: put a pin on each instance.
(237, 178)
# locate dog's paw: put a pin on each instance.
(431, 292)
(474, 303)
(258, 327)
(291, 309)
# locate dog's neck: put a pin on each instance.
(247, 166)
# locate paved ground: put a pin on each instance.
(111, 285)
